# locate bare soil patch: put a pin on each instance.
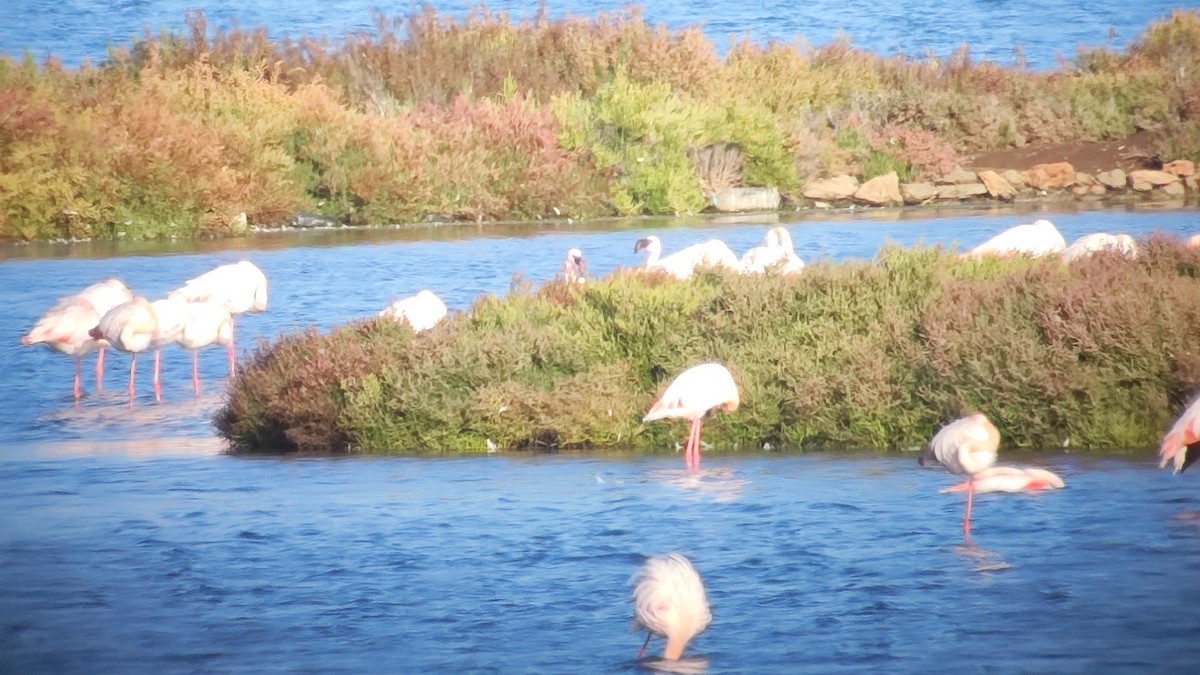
(1134, 152)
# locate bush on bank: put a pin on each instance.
(1100, 354)
(479, 119)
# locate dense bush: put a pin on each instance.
(876, 354)
(488, 119)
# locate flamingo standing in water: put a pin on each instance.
(129, 327)
(206, 323)
(967, 447)
(776, 250)
(669, 601)
(1086, 245)
(1012, 479)
(1036, 239)
(104, 296)
(683, 264)
(65, 329)
(170, 315)
(574, 270)
(421, 311)
(692, 395)
(241, 287)
(1181, 442)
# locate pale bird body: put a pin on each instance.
(103, 296)
(206, 324)
(1181, 445)
(1036, 239)
(129, 327)
(692, 395)
(1012, 479)
(682, 265)
(966, 447)
(1087, 245)
(241, 287)
(574, 271)
(65, 329)
(669, 601)
(170, 315)
(421, 311)
(775, 251)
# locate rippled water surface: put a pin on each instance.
(129, 543)
(1043, 31)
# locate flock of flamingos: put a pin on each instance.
(669, 597)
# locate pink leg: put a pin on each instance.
(132, 375)
(232, 352)
(967, 517)
(100, 370)
(687, 447)
(642, 651)
(157, 366)
(195, 373)
(696, 444)
(78, 378)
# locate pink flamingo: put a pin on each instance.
(574, 270)
(207, 323)
(1011, 479)
(669, 601)
(104, 296)
(1180, 443)
(129, 327)
(65, 329)
(692, 395)
(967, 447)
(241, 287)
(170, 317)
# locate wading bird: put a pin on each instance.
(128, 327)
(1012, 479)
(170, 315)
(1035, 239)
(206, 324)
(776, 250)
(683, 264)
(669, 601)
(574, 270)
(65, 329)
(967, 447)
(1086, 245)
(103, 296)
(1181, 443)
(241, 287)
(421, 311)
(692, 395)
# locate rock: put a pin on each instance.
(996, 186)
(838, 187)
(961, 191)
(917, 193)
(1080, 190)
(881, 190)
(746, 199)
(1114, 179)
(309, 220)
(1097, 189)
(959, 176)
(1180, 167)
(1192, 183)
(1051, 176)
(1015, 179)
(238, 224)
(1146, 180)
(1084, 179)
(1173, 189)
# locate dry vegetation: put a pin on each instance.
(857, 355)
(486, 119)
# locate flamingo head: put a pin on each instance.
(731, 403)
(575, 268)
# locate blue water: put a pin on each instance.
(1044, 32)
(130, 543)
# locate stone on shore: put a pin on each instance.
(881, 190)
(997, 186)
(1014, 179)
(959, 176)
(746, 199)
(1051, 176)
(1173, 189)
(1114, 179)
(1146, 180)
(1180, 167)
(961, 191)
(832, 189)
(917, 193)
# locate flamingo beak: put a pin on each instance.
(640, 244)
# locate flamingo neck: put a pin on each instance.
(674, 649)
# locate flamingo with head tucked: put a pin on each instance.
(695, 393)
(1090, 244)
(241, 287)
(205, 324)
(129, 327)
(776, 250)
(421, 311)
(103, 296)
(669, 601)
(967, 447)
(1181, 445)
(1035, 239)
(682, 265)
(574, 270)
(65, 329)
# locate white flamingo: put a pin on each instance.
(103, 296)
(65, 329)
(683, 264)
(129, 327)
(170, 315)
(241, 287)
(776, 250)
(421, 311)
(574, 270)
(1012, 479)
(966, 446)
(692, 395)
(1086, 245)
(206, 324)
(669, 601)
(1180, 444)
(1036, 239)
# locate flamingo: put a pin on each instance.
(669, 601)
(421, 311)
(1181, 442)
(206, 323)
(129, 327)
(1086, 245)
(170, 315)
(1036, 239)
(1012, 479)
(574, 269)
(682, 264)
(692, 395)
(103, 296)
(1193, 241)
(966, 446)
(241, 287)
(776, 250)
(64, 328)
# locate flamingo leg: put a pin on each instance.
(687, 448)
(694, 457)
(967, 516)
(132, 376)
(195, 373)
(232, 351)
(642, 651)
(78, 378)
(100, 370)
(157, 367)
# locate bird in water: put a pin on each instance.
(65, 329)
(1035, 239)
(205, 324)
(1181, 445)
(669, 601)
(683, 264)
(574, 270)
(421, 311)
(129, 327)
(693, 394)
(1012, 479)
(1087, 245)
(776, 250)
(241, 287)
(966, 447)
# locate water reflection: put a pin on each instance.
(690, 665)
(721, 485)
(981, 559)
